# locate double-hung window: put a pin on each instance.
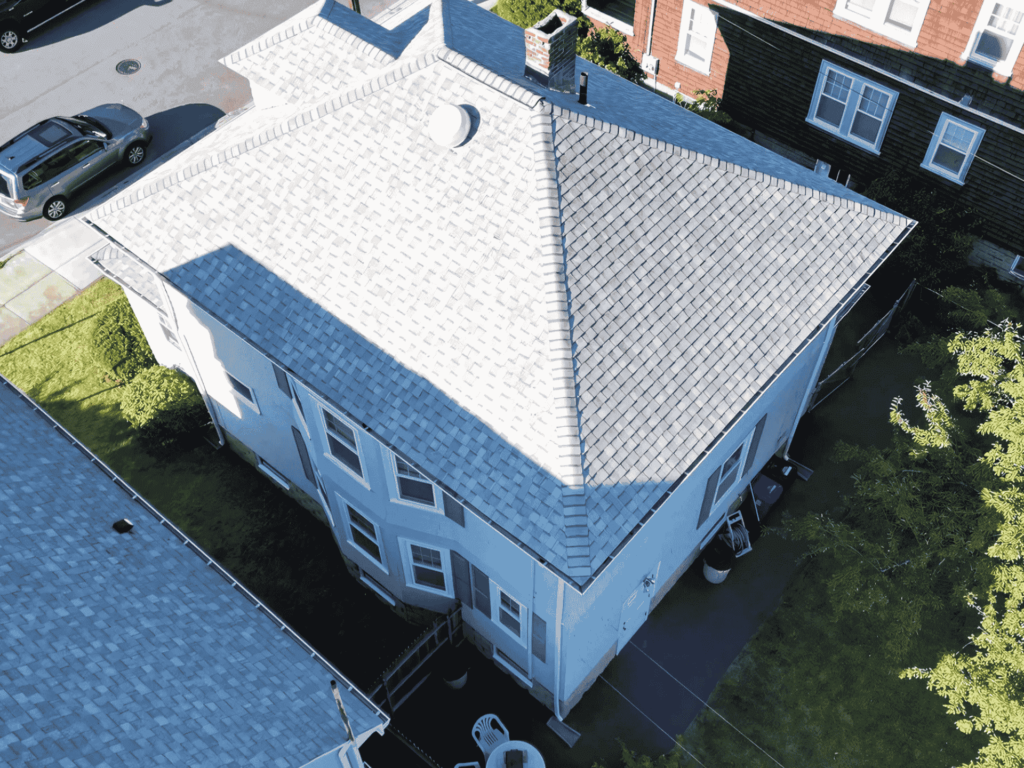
(341, 440)
(427, 568)
(617, 14)
(364, 535)
(721, 484)
(412, 485)
(952, 148)
(510, 614)
(899, 20)
(696, 37)
(997, 36)
(849, 106)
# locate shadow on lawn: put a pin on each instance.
(267, 541)
(12, 350)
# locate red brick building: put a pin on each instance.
(857, 87)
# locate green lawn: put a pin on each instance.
(814, 692)
(265, 538)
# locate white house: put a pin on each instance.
(528, 367)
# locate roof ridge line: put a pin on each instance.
(559, 331)
(738, 170)
(488, 77)
(361, 45)
(268, 40)
(297, 120)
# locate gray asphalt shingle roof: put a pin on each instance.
(129, 649)
(555, 319)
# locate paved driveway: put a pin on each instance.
(69, 66)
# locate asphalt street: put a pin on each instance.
(69, 66)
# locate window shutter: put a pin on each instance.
(453, 510)
(282, 379)
(709, 497)
(460, 572)
(300, 446)
(539, 637)
(481, 592)
(752, 451)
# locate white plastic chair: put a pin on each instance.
(488, 733)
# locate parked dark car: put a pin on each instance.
(42, 166)
(19, 18)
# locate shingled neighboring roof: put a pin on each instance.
(557, 318)
(131, 649)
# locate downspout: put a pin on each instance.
(558, 647)
(650, 28)
(814, 381)
(533, 602)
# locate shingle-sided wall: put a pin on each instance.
(771, 82)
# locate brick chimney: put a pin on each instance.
(551, 52)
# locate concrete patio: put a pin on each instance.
(655, 688)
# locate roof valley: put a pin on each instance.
(570, 448)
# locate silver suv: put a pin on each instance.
(42, 166)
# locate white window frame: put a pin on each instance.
(705, 23)
(945, 120)
(169, 335)
(1004, 67)
(347, 508)
(329, 433)
(852, 106)
(610, 21)
(877, 19)
(396, 487)
(1017, 268)
(722, 491)
(273, 474)
(249, 400)
(496, 610)
(446, 567)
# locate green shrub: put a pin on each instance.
(119, 343)
(164, 405)
(935, 252)
(604, 47)
(707, 104)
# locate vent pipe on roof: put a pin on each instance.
(583, 87)
(551, 51)
(123, 526)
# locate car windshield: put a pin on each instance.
(5, 187)
(90, 126)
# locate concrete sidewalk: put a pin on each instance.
(44, 273)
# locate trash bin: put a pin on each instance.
(719, 558)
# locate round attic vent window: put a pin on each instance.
(449, 125)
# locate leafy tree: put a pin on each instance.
(935, 252)
(119, 343)
(985, 687)
(164, 405)
(605, 47)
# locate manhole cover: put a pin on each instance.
(128, 66)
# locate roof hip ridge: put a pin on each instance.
(278, 129)
(559, 331)
(737, 170)
(489, 77)
(363, 46)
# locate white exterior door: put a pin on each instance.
(636, 608)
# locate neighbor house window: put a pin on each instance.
(341, 440)
(364, 535)
(427, 568)
(510, 613)
(1017, 268)
(729, 472)
(696, 37)
(617, 14)
(952, 148)
(899, 20)
(243, 392)
(412, 485)
(851, 107)
(997, 36)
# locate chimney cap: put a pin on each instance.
(449, 125)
